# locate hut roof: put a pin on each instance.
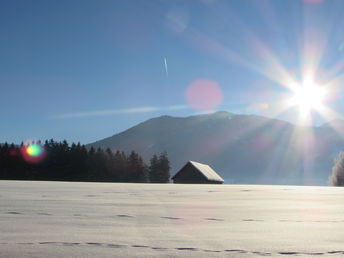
(206, 171)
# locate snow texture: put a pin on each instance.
(66, 219)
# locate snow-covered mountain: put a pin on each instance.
(246, 149)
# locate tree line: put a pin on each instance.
(61, 161)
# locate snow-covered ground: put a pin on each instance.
(63, 219)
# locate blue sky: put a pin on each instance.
(85, 70)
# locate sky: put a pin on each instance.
(85, 70)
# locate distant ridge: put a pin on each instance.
(247, 149)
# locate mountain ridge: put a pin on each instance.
(241, 148)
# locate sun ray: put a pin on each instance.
(312, 47)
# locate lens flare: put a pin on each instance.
(204, 95)
(33, 152)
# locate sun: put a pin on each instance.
(308, 96)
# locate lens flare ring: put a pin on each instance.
(204, 95)
(33, 152)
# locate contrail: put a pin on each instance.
(166, 68)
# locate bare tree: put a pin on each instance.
(337, 177)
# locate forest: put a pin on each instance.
(60, 161)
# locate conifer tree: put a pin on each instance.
(164, 165)
(136, 170)
(154, 169)
(159, 169)
(74, 162)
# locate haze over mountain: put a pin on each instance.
(245, 149)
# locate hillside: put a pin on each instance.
(241, 148)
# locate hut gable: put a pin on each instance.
(197, 173)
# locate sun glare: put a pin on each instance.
(308, 96)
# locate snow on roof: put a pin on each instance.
(207, 171)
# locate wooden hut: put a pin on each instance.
(197, 173)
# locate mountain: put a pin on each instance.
(245, 149)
